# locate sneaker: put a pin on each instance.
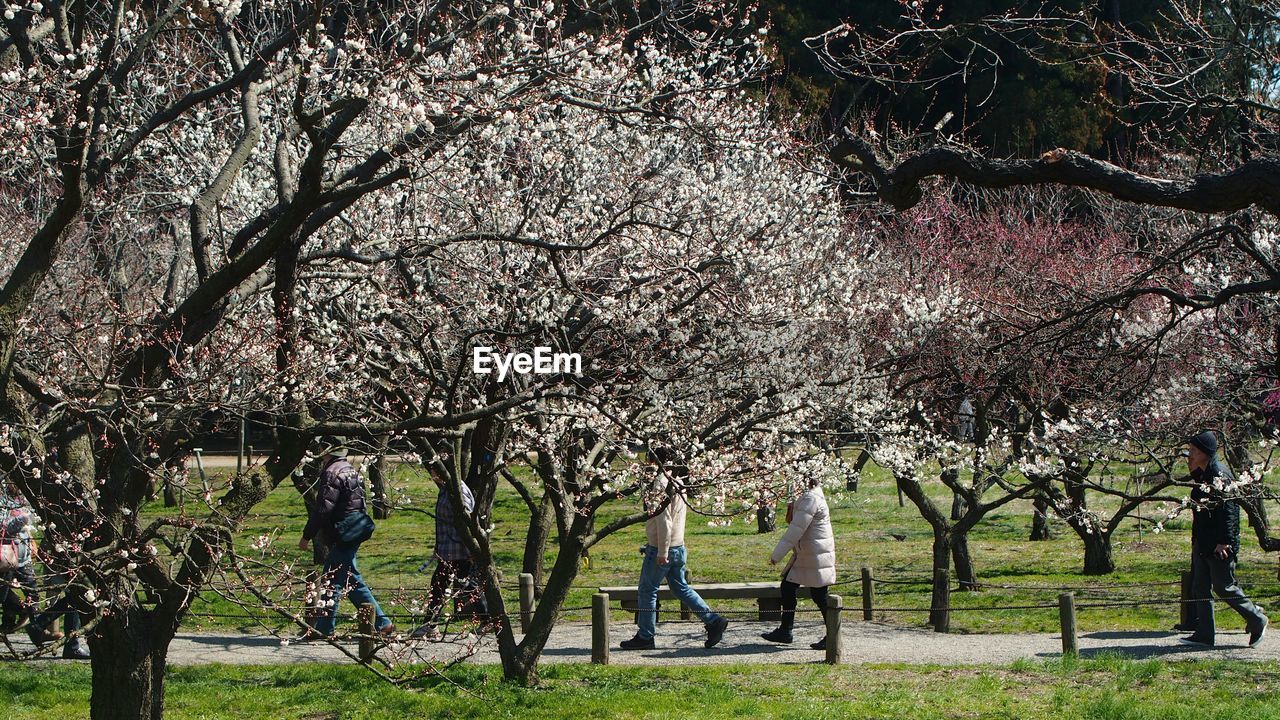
(425, 631)
(387, 630)
(75, 650)
(779, 636)
(820, 645)
(1184, 628)
(42, 636)
(637, 643)
(715, 631)
(1255, 635)
(1197, 640)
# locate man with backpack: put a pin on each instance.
(340, 520)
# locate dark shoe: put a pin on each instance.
(820, 645)
(779, 636)
(1197, 640)
(75, 650)
(637, 643)
(1255, 635)
(387, 630)
(42, 636)
(715, 631)
(1184, 628)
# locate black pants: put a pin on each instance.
(1192, 619)
(447, 571)
(789, 589)
(1210, 572)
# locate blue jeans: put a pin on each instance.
(343, 578)
(63, 606)
(651, 576)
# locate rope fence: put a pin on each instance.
(1097, 596)
(865, 588)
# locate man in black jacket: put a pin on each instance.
(338, 493)
(1215, 543)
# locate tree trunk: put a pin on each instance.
(170, 494)
(1256, 511)
(1040, 519)
(941, 559)
(766, 519)
(958, 505)
(855, 473)
(378, 483)
(535, 542)
(175, 482)
(520, 661)
(1097, 553)
(963, 559)
(128, 661)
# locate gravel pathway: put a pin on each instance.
(681, 644)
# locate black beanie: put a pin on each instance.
(1206, 441)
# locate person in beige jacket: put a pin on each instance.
(664, 559)
(812, 545)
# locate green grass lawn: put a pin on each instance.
(1100, 689)
(871, 529)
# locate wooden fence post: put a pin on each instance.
(526, 601)
(868, 594)
(600, 628)
(1184, 607)
(835, 646)
(368, 646)
(1067, 615)
(940, 613)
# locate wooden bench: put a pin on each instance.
(768, 597)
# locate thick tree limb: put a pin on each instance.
(1256, 182)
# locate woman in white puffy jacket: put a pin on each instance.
(813, 560)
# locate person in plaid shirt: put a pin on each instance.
(451, 553)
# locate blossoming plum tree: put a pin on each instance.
(194, 189)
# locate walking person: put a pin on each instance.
(16, 534)
(339, 513)
(1215, 539)
(17, 561)
(40, 629)
(453, 559)
(812, 545)
(664, 559)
